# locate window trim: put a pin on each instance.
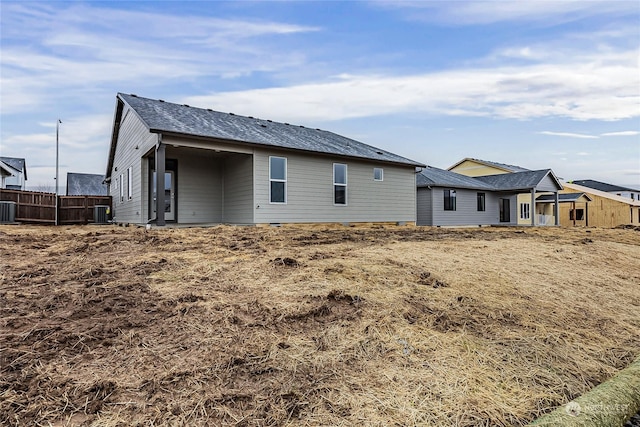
(121, 187)
(481, 201)
(337, 184)
(286, 166)
(451, 195)
(525, 208)
(381, 174)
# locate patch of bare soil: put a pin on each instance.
(310, 325)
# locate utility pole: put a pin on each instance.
(58, 122)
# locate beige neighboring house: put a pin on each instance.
(605, 209)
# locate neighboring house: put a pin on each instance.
(526, 208)
(476, 167)
(5, 172)
(85, 184)
(618, 190)
(446, 198)
(605, 210)
(224, 168)
(525, 187)
(586, 207)
(574, 208)
(14, 173)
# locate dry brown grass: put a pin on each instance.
(313, 325)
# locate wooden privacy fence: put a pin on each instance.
(80, 209)
(38, 207)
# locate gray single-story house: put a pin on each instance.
(221, 167)
(446, 198)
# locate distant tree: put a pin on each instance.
(45, 188)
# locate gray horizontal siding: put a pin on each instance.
(310, 191)
(466, 213)
(199, 185)
(132, 133)
(424, 214)
(238, 189)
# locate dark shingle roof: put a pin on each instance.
(431, 176)
(166, 117)
(16, 163)
(602, 186)
(562, 197)
(85, 184)
(517, 180)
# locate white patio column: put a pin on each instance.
(533, 207)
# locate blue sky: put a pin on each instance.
(539, 84)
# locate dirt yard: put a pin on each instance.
(310, 326)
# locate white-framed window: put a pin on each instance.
(525, 210)
(378, 174)
(129, 183)
(122, 187)
(277, 179)
(339, 184)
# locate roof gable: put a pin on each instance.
(5, 169)
(503, 167)
(20, 165)
(522, 180)
(165, 117)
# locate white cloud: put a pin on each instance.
(582, 88)
(489, 12)
(622, 133)
(568, 134)
(79, 49)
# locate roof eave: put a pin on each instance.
(257, 144)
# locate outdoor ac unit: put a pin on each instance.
(7, 212)
(101, 214)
